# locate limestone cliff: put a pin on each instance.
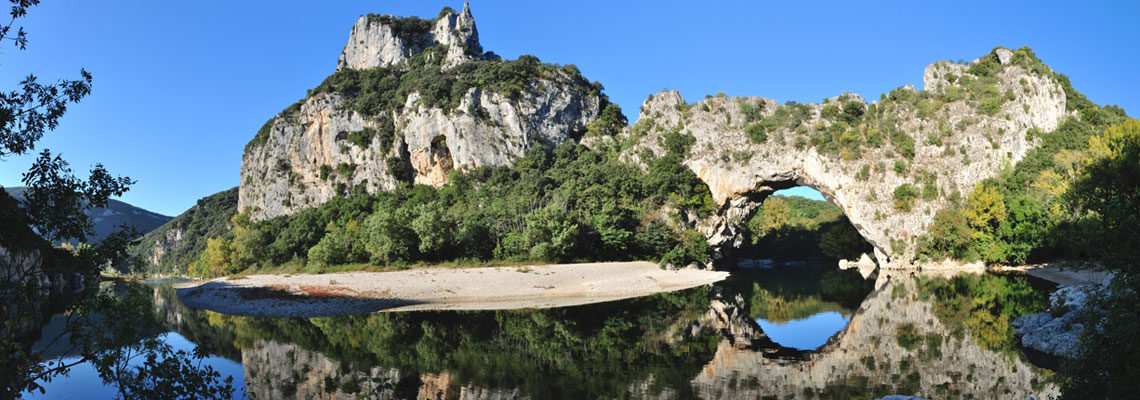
(383, 40)
(890, 165)
(411, 100)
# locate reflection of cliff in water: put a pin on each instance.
(576, 352)
(698, 343)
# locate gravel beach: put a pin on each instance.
(492, 288)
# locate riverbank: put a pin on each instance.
(1063, 274)
(1057, 332)
(490, 288)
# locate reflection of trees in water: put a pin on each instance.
(194, 325)
(118, 333)
(576, 352)
(783, 294)
(898, 341)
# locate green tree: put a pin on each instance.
(389, 238)
(840, 240)
(775, 215)
(432, 228)
(949, 236)
(904, 196)
(609, 123)
(551, 234)
(218, 257)
(1109, 190)
(248, 244)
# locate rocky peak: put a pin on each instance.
(387, 40)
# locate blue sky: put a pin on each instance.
(180, 87)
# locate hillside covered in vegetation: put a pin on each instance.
(172, 247)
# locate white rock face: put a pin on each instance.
(284, 175)
(374, 43)
(958, 143)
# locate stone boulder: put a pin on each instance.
(1057, 335)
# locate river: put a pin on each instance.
(803, 332)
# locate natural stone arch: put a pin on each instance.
(954, 140)
(737, 211)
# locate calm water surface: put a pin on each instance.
(798, 332)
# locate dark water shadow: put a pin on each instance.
(283, 301)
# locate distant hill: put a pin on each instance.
(107, 220)
(170, 248)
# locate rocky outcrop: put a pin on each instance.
(305, 156)
(1058, 332)
(890, 165)
(384, 40)
(865, 265)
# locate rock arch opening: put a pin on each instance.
(790, 221)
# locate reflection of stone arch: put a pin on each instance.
(434, 163)
(868, 354)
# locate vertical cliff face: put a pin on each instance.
(890, 165)
(412, 100)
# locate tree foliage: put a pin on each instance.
(554, 204)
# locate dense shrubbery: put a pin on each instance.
(609, 123)
(1107, 193)
(904, 196)
(409, 29)
(569, 203)
(380, 89)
